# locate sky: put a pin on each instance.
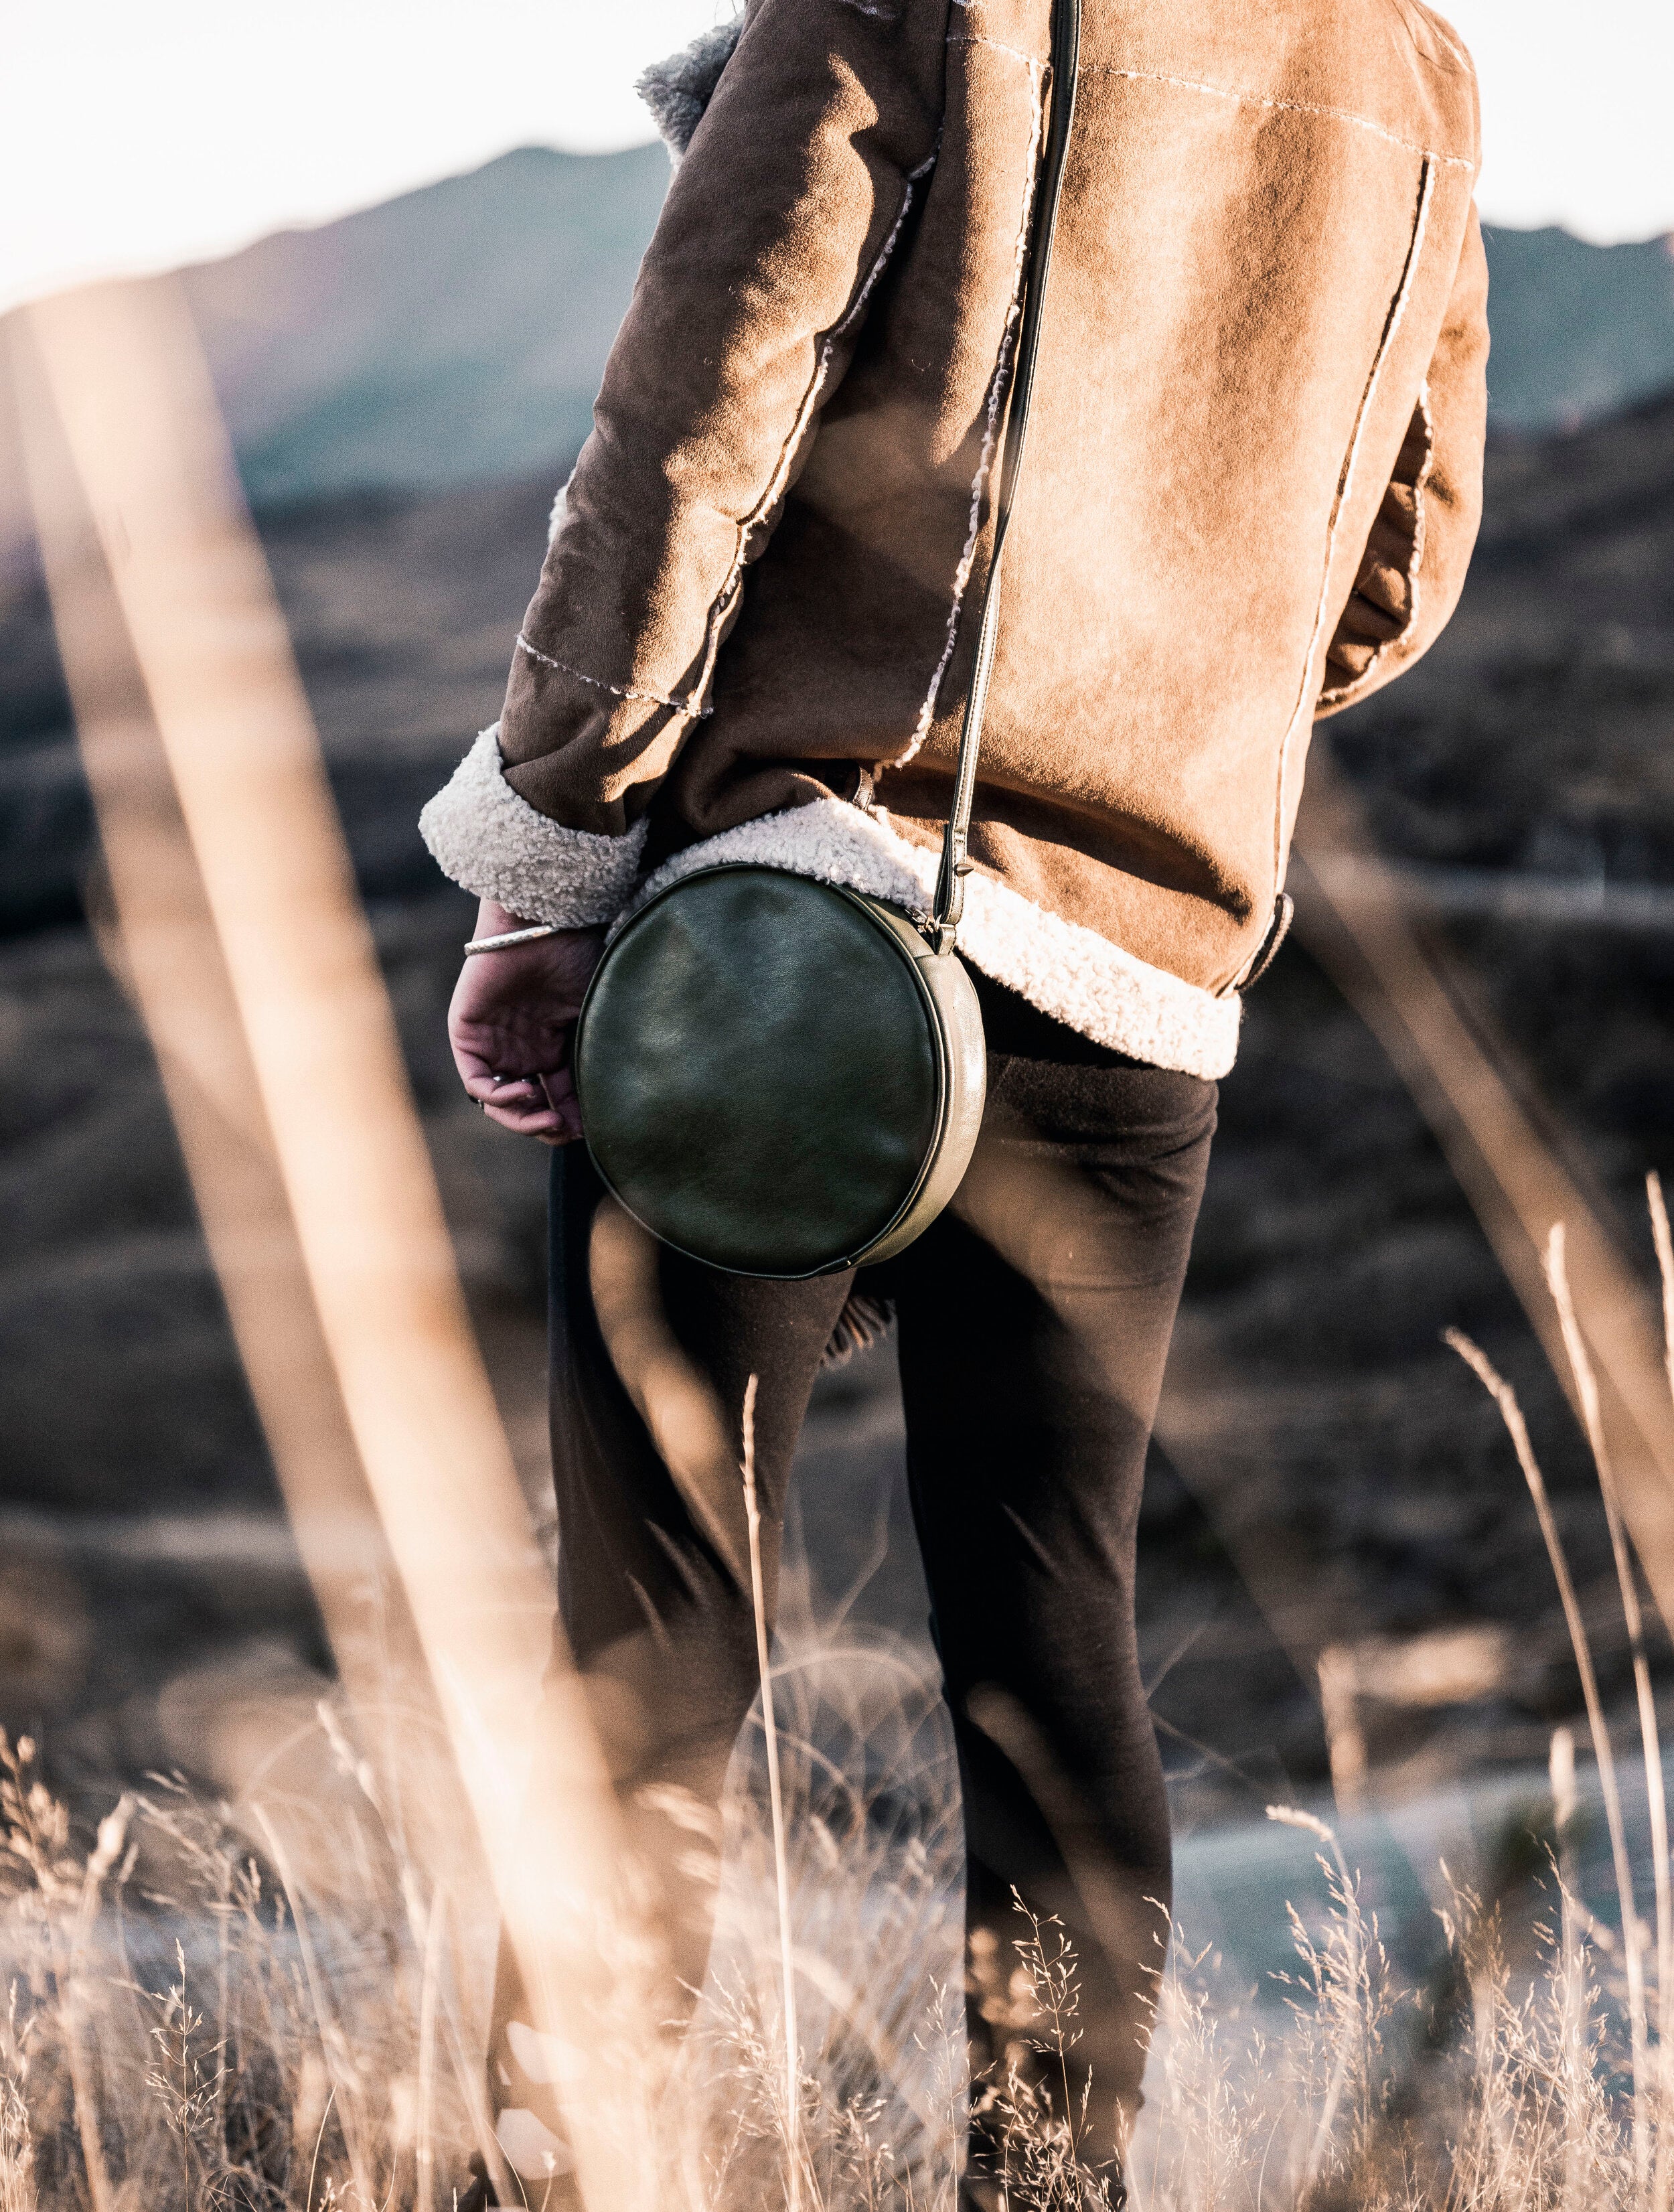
(137, 137)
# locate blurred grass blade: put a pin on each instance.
(1655, 1784)
(1633, 1950)
(1352, 917)
(124, 376)
(776, 1809)
(165, 952)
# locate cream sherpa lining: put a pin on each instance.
(493, 842)
(1070, 973)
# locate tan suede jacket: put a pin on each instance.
(1252, 487)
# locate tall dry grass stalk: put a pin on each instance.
(197, 2026)
(249, 2049)
(1492, 2091)
(1511, 1413)
(776, 1809)
(252, 2045)
(1651, 2106)
(151, 560)
(1513, 2103)
(1416, 998)
(1587, 1389)
(215, 2034)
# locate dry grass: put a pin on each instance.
(184, 2033)
(192, 2022)
(192, 2025)
(1498, 2089)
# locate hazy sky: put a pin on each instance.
(135, 137)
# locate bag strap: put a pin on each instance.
(949, 905)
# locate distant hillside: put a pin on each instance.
(1579, 330)
(456, 335)
(453, 336)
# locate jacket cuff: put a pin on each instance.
(491, 841)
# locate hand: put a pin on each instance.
(511, 1023)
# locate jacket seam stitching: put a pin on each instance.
(616, 691)
(773, 489)
(978, 39)
(1344, 487)
(1292, 106)
(997, 390)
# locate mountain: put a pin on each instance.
(451, 336)
(1579, 330)
(456, 334)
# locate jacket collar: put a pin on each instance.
(679, 89)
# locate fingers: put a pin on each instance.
(540, 1105)
(508, 1092)
(515, 1101)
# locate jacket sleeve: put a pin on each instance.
(781, 219)
(1413, 568)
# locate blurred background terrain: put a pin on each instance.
(406, 389)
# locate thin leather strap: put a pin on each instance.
(951, 881)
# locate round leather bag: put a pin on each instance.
(778, 1077)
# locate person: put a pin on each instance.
(1252, 489)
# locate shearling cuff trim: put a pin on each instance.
(493, 842)
(1072, 974)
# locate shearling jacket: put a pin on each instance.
(1252, 486)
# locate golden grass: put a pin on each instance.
(258, 2009)
(185, 2031)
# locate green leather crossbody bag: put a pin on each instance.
(780, 1076)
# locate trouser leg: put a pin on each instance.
(1034, 1324)
(653, 1576)
(654, 1596)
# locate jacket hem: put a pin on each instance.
(491, 841)
(1068, 972)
